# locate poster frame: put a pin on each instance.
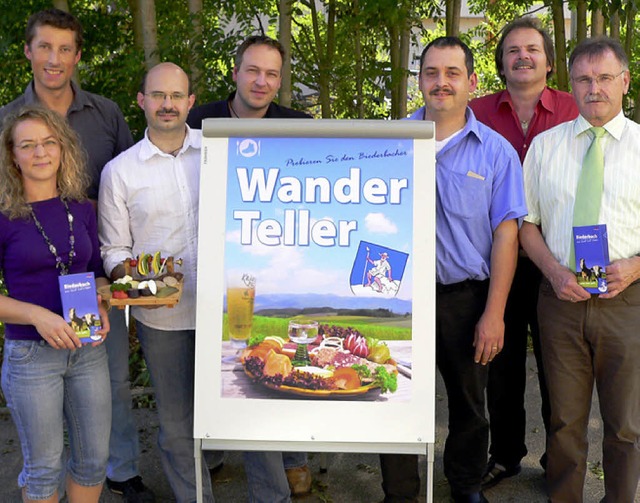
(213, 186)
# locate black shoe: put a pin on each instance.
(457, 497)
(132, 490)
(496, 472)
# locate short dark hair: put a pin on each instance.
(450, 42)
(56, 18)
(258, 40)
(527, 22)
(597, 46)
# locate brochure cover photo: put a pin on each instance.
(318, 269)
(80, 305)
(592, 257)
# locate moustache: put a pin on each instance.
(521, 64)
(594, 98)
(170, 111)
(439, 89)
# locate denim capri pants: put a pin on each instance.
(44, 387)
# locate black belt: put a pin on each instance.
(461, 285)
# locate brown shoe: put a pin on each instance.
(299, 480)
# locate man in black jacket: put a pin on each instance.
(272, 476)
(258, 75)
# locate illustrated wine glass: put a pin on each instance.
(302, 332)
(241, 293)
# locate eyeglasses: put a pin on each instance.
(602, 80)
(160, 97)
(30, 147)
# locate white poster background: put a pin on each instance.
(301, 424)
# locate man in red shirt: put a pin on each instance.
(524, 60)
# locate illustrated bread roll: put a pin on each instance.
(346, 378)
(261, 352)
(277, 364)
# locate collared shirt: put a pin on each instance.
(478, 186)
(498, 112)
(552, 169)
(221, 109)
(98, 122)
(149, 202)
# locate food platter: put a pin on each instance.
(151, 300)
(332, 369)
(319, 394)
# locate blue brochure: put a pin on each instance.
(592, 257)
(80, 305)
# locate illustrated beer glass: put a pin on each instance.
(241, 292)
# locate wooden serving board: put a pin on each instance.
(151, 300)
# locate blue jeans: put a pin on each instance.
(170, 357)
(45, 387)
(294, 459)
(124, 448)
(266, 478)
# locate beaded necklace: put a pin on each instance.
(62, 267)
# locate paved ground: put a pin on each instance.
(351, 478)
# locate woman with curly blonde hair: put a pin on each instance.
(72, 179)
(48, 229)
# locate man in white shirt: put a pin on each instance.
(149, 202)
(585, 337)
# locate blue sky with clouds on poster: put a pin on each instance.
(263, 172)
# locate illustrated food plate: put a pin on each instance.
(151, 300)
(370, 390)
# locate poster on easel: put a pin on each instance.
(315, 286)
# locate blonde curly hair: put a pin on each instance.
(72, 179)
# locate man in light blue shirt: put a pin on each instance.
(479, 198)
(478, 188)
